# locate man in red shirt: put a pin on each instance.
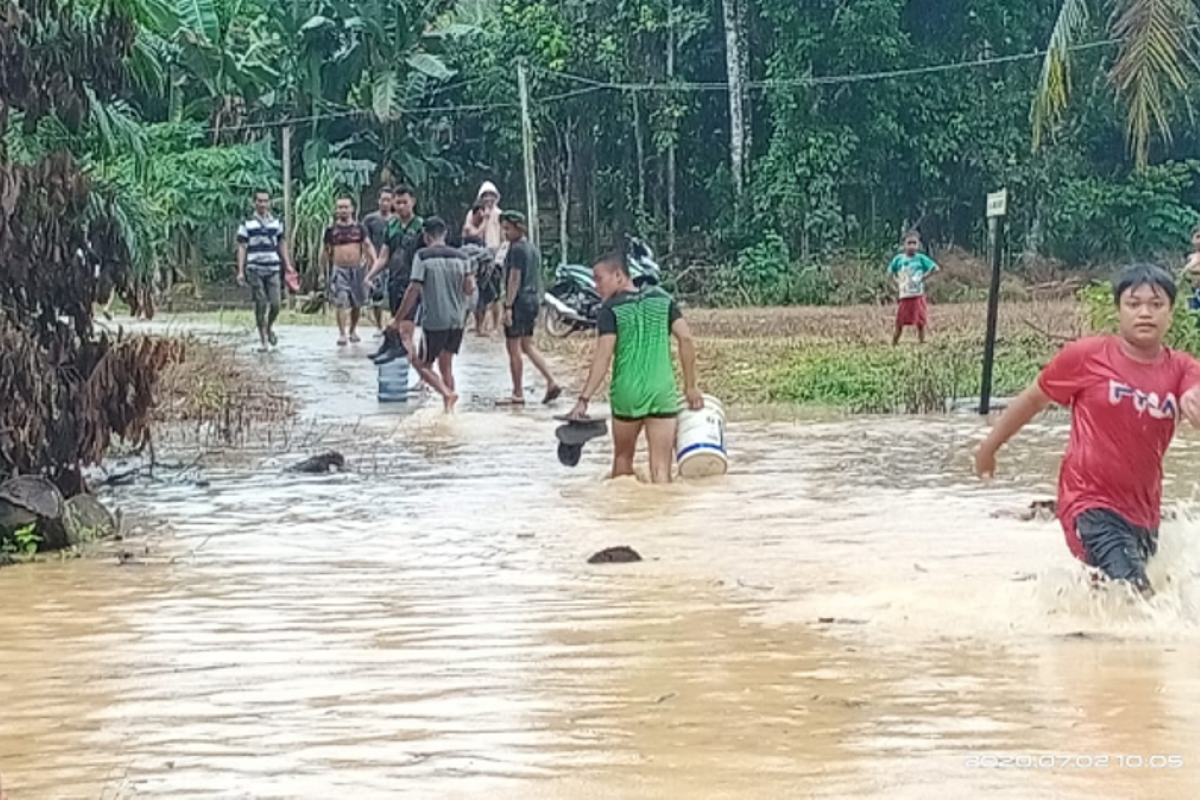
(1126, 393)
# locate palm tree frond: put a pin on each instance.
(1054, 87)
(1157, 50)
(117, 129)
(146, 62)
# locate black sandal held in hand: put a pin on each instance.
(574, 435)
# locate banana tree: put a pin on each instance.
(380, 57)
(1157, 47)
(215, 47)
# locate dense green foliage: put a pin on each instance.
(861, 120)
(67, 390)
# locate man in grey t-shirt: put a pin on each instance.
(522, 301)
(442, 280)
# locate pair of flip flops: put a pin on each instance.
(552, 394)
(573, 435)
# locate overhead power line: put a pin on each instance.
(822, 80)
(591, 85)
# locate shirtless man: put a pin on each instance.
(348, 249)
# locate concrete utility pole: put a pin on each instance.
(531, 208)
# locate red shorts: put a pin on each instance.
(912, 311)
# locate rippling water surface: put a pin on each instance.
(841, 616)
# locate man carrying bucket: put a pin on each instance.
(635, 330)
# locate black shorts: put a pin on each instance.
(1116, 546)
(395, 291)
(438, 342)
(619, 418)
(489, 288)
(524, 318)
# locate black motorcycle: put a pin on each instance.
(573, 304)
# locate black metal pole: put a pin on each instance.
(989, 343)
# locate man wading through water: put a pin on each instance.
(262, 251)
(635, 330)
(1126, 393)
(522, 301)
(377, 224)
(348, 247)
(404, 238)
(442, 280)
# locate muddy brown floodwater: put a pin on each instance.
(427, 626)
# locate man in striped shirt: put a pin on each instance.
(262, 253)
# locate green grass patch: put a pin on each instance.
(908, 379)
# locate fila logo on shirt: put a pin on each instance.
(1166, 408)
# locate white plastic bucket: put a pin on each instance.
(700, 440)
(393, 381)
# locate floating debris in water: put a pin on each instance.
(615, 555)
(1040, 510)
(332, 461)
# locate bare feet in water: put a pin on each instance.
(450, 401)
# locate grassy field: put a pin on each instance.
(841, 357)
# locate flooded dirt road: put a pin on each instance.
(841, 616)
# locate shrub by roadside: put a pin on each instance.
(220, 393)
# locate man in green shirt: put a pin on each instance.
(404, 236)
(635, 330)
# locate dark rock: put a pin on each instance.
(332, 461)
(54, 536)
(13, 516)
(33, 494)
(615, 555)
(87, 520)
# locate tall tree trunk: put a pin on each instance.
(734, 60)
(593, 201)
(562, 185)
(743, 76)
(671, 147)
(640, 167)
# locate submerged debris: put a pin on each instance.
(1040, 510)
(615, 555)
(332, 461)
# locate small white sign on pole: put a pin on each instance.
(997, 204)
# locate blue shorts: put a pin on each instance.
(1194, 300)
